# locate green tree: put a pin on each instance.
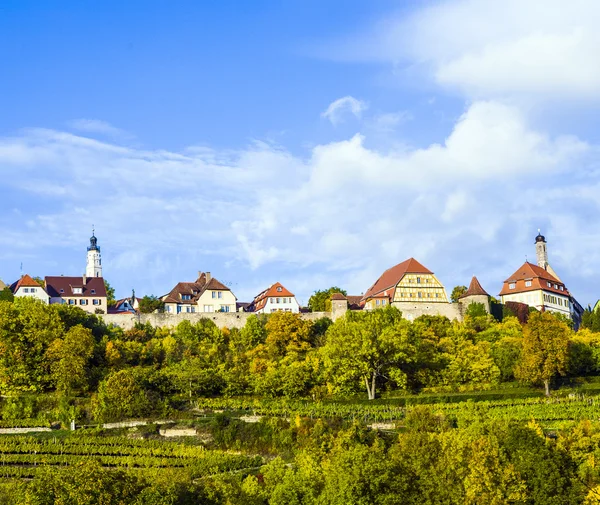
(545, 350)
(110, 294)
(457, 292)
(69, 359)
(7, 295)
(150, 304)
(320, 301)
(365, 346)
(121, 395)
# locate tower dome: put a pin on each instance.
(93, 243)
(540, 237)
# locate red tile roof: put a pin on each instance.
(355, 302)
(54, 285)
(338, 296)
(539, 280)
(475, 289)
(193, 289)
(276, 290)
(24, 282)
(392, 276)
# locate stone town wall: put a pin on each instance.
(411, 311)
(221, 319)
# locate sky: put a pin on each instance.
(314, 143)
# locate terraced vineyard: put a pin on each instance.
(23, 456)
(541, 409)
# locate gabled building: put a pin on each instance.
(125, 305)
(206, 295)
(29, 288)
(475, 294)
(539, 286)
(408, 281)
(275, 298)
(83, 292)
(87, 292)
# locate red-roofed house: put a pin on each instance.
(276, 298)
(87, 293)
(408, 281)
(539, 286)
(27, 287)
(206, 294)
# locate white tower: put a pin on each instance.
(93, 266)
(541, 251)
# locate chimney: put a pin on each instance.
(208, 277)
(84, 279)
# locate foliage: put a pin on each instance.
(457, 292)
(320, 301)
(545, 350)
(110, 294)
(6, 295)
(150, 304)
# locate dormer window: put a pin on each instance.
(62, 290)
(527, 284)
(556, 286)
(549, 284)
(186, 297)
(77, 291)
(512, 285)
(279, 289)
(561, 288)
(93, 291)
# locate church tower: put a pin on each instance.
(94, 262)
(541, 251)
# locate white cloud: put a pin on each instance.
(97, 126)
(337, 109)
(341, 216)
(493, 49)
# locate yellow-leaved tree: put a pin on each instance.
(545, 349)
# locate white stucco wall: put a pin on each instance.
(29, 292)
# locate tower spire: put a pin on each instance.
(94, 262)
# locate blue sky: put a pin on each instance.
(308, 142)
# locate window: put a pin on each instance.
(527, 284)
(437, 295)
(32, 290)
(224, 308)
(418, 280)
(272, 300)
(186, 297)
(93, 291)
(420, 295)
(279, 289)
(167, 307)
(95, 301)
(556, 286)
(289, 300)
(214, 294)
(376, 302)
(83, 302)
(62, 290)
(220, 294)
(284, 300)
(71, 302)
(278, 300)
(25, 290)
(382, 302)
(561, 288)
(77, 291)
(549, 284)
(188, 309)
(208, 308)
(512, 285)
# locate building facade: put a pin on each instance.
(84, 292)
(27, 287)
(206, 294)
(538, 285)
(275, 298)
(407, 282)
